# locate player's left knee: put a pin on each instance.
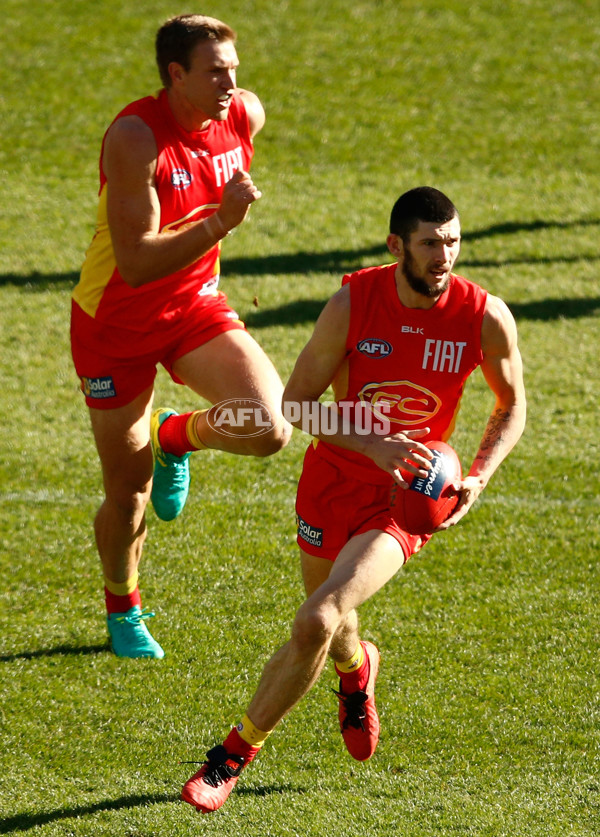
(314, 626)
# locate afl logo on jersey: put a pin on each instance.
(181, 178)
(375, 348)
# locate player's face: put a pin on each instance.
(208, 86)
(429, 257)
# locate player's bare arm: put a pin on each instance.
(503, 370)
(254, 110)
(142, 252)
(315, 370)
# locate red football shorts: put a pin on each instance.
(333, 506)
(115, 364)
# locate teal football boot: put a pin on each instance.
(129, 635)
(171, 481)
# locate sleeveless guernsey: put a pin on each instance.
(192, 169)
(408, 365)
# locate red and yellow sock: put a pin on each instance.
(235, 745)
(178, 435)
(246, 739)
(121, 596)
(354, 672)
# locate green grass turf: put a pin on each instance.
(489, 684)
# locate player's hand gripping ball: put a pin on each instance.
(428, 501)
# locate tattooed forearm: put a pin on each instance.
(493, 432)
(503, 430)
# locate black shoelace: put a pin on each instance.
(221, 766)
(354, 705)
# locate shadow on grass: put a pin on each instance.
(338, 261)
(59, 651)
(538, 260)
(267, 790)
(40, 281)
(292, 313)
(510, 227)
(555, 309)
(307, 311)
(25, 822)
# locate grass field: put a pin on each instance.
(489, 692)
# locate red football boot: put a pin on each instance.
(359, 721)
(209, 788)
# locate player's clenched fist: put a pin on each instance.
(238, 194)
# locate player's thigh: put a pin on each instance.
(231, 365)
(122, 438)
(364, 565)
(315, 571)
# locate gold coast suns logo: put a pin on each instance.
(401, 401)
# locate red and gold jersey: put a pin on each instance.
(408, 365)
(191, 171)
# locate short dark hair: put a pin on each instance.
(421, 204)
(178, 36)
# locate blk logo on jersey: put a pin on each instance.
(374, 347)
(181, 178)
(401, 402)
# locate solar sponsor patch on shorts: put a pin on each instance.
(98, 387)
(309, 533)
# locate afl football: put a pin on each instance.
(428, 501)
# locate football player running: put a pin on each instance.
(174, 182)
(401, 339)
